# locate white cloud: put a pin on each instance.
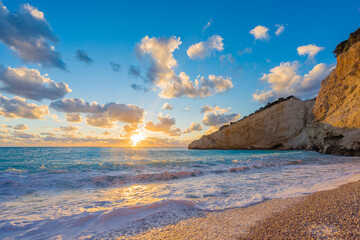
(106, 133)
(193, 127)
(203, 87)
(284, 80)
(260, 33)
(162, 75)
(73, 117)
(211, 130)
(208, 108)
(69, 129)
(279, 30)
(104, 116)
(204, 49)
(29, 34)
(246, 50)
(129, 129)
(165, 125)
(17, 107)
(215, 116)
(23, 135)
(227, 58)
(29, 83)
(167, 106)
(34, 11)
(208, 24)
(311, 50)
(21, 127)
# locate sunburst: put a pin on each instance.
(135, 139)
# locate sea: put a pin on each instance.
(83, 193)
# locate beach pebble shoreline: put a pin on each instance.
(331, 214)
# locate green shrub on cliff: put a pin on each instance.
(345, 45)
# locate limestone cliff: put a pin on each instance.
(277, 127)
(330, 124)
(338, 101)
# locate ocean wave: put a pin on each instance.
(164, 176)
(90, 223)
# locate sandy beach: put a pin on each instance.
(332, 214)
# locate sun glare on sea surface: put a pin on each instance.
(135, 139)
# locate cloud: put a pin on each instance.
(229, 61)
(208, 108)
(55, 117)
(193, 127)
(29, 34)
(214, 116)
(82, 56)
(284, 80)
(167, 106)
(115, 66)
(23, 135)
(311, 50)
(217, 118)
(73, 117)
(245, 51)
(227, 58)
(204, 49)
(162, 75)
(279, 30)
(134, 71)
(129, 129)
(260, 33)
(211, 130)
(21, 127)
(29, 83)
(187, 109)
(106, 133)
(139, 87)
(104, 116)
(69, 129)
(76, 105)
(203, 87)
(208, 24)
(17, 107)
(165, 125)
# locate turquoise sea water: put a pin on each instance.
(89, 191)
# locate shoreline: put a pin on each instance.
(331, 213)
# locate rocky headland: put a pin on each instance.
(328, 124)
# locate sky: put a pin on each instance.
(145, 74)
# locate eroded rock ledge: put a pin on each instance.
(328, 124)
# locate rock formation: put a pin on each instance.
(330, 124)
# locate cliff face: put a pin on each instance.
(338, 101)
(277, 127)
(330, 124)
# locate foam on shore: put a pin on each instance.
(236, 222)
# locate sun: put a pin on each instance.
(135, 139)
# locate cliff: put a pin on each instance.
(330, 124)
(277, 127)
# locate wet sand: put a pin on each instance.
(332, 214)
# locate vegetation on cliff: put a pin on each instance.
(345, 45)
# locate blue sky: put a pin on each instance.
(110, 31)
